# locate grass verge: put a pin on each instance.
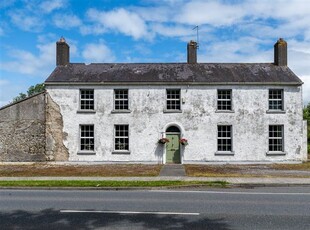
(243, 170)
(113, 170)
(113, 184)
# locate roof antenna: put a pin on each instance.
(197, 29)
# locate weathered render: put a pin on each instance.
(197, 119)
(55, 149)
(22, 130)
(198, 123)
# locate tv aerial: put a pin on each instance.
(197, 35)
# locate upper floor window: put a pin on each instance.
(121, 137)
(276, 138)
(121, 99)
(173, 99)
(224, 99)
(87, 99)
(87, 138)
(275, 99)
(224, 138)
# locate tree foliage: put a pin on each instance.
(38, 88)
(306, 114)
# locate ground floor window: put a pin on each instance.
(121, 137)
(276, 138)
(87, 138)
(224, 138)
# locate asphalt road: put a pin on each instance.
(259, 208)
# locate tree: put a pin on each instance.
(38, 88)
(21, 96)
(306, 113)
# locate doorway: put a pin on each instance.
(173, 151)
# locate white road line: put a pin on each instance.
(132, 212)
(237, 193)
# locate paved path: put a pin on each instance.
(172, 170)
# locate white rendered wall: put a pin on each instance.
(198, 122)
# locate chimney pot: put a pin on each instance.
(192, 52)
(62, 52)
(280, 52)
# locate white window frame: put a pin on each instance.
(176, 100)
(219, 100)
(276, 138)
(230, 152)
(121, 137)
(121, 100)
(87, 137)
(275, 100)
(91, 100)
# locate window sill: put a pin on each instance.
(121, 152)
(275, 111)
(86, 111)
(276, 153)
(121, 111)
(172, 111)
(86, 153)
(224, 111)
(224, 153)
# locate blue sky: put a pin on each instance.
(147, 31)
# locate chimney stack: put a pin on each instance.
(192, 52)
(280, 52)
(62, 52)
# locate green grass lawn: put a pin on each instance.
(102, 184)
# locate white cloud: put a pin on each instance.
(299, 57)
(65, 21)
(3, 82)
(120, 20)
(25, 62)
(25, 21)
(51, 5)
(209, 12)
(244, 49)
(306, 89)
(92, 29)
(97, 53)
(172, 31)
(154, 14)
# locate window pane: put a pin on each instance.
(224, 138)
(275, 99)
(121, 99)
(173, 99)
(276, 138)
(121, 141)
(224, 100)
(86, 99)
(87, 137)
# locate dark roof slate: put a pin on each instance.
(174, 73)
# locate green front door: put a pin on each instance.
(173, 149)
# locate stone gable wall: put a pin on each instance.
(22, 130)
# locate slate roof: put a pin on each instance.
(164, 73)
